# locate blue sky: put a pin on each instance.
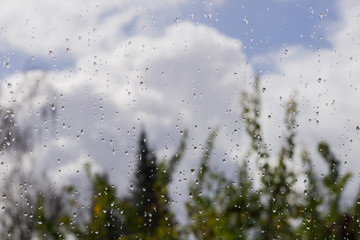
(282, 23)
(113, 67)
(266, 26)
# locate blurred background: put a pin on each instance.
(82, 80)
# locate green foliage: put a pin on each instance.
(144, 194)
(145, 214)
(277, 188)
(150, 216)
(222, 208)
(334, 185)
(313, 225)
(103, 219)
(251, 106)
(50, 217)
(268, 202)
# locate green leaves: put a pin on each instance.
(226, 208)
(144, 214)
(251, 106)
(276, 200)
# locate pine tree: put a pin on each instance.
(145, 197)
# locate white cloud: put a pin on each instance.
(188, 77)
(43, 26)
(327, 86)
(76, 28)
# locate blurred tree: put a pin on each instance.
(277, 185)
(143, 215)
(221, 208)
(18, 204)
(104, 218)
(20, 187)
(277, 180)
(354, 225)
(105, 214)
(150, 200)
(51, 215)
(334, 184)
(144, 195)
(313, 225)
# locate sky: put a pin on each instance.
(108, 69)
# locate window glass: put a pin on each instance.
(179, 119)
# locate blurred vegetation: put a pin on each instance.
(273, 201)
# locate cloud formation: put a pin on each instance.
(326, 82)
(124, 77)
